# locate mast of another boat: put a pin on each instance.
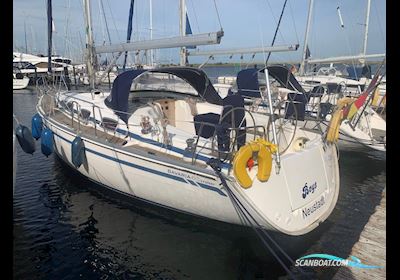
(49, 35)
(366, 31)
(151, 32)
(362, 58)
(303, 65)
(90, 53)
(180, 41)
(26, 43)
(182, 29)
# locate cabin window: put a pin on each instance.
(23, 65)
(162, 82)
(60, 60)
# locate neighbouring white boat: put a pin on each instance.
(20, 81)
(101, 77)
(33, 65)
(153, 136)
(330, 78)
(357, 78)
(369, 131)
(367, 127)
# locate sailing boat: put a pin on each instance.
(166, 137)
(369, 128)
(357, 79)
(19, 80)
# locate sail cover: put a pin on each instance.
(118, 99)
(129, 31)
(188, 31)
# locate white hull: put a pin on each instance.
(350, 87)
(363, 133)
(277, 204)
(366, 133)
(20, 83)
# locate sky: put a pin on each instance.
(246, 23)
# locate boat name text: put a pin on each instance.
(309, 210)
(309, 189)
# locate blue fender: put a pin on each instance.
(47, 144)
(25, 139)
(78, 152)
(37, 126)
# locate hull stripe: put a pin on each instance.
(146, 169)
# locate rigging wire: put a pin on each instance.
(276, 22)
(379, 24)
(219, 19)
(294, 24)
(276, 30)
(105, 21)
(195, 16)
(348, 42)
(106, 24)
(101, 24)
(113, 20)
(81, 54)
(262, 40)
(102, 30)
(244, 213)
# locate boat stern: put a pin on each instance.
(301, 194)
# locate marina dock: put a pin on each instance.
(370, 248)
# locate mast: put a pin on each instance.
(366, 30)
(182, 30)
(26, 44)
(151, 32)
(303, 61)
(90, 60)
(49, 34)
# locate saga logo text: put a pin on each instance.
(309, 189)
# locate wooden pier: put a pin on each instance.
(370, 248)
